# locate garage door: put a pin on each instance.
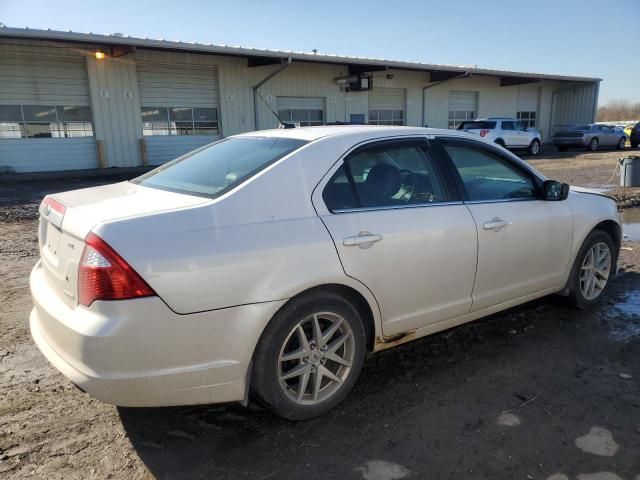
(528, 105)
(462, 106)
(301, 111)
(45, 119)
(179, 108)
(387, 106)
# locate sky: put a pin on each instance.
(595, 38)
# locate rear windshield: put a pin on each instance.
(214, 170)
(477, 126)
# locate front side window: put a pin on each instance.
(302, 117)
(386, 174)
(386, 117)
(487, 176)
(508, 126)
(214, 170)
(45, 121)
(158, 121)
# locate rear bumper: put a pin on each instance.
(570, 142)
(140, 353)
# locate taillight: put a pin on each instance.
(53, 211)
(484, 133)
(104, 275)
(54, 205)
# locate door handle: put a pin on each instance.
(363, 240)
(496, 224)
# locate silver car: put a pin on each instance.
(591, 137)
(268, 264)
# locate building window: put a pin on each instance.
(456, 117)
(386, 117)
(45, 121)
(179, 121)
(302, 117)
(528, 119)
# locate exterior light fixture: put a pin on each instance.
(100, 55)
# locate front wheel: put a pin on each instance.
(309, 356)
(534, 148)
(621, 143)
(593, 145)
(592, 270)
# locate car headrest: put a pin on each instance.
(383, 181)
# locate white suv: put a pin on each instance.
(507, 132)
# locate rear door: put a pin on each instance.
(401, 229)
(524, 243)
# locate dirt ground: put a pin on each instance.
(537, 391)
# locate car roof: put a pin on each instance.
(315, 133)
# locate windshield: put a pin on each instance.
(581, 127)
(214, 170)
(479, 125)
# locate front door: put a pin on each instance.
(509, 133)
(400, 229)
(524, 243)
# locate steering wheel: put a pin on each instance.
(408, 174)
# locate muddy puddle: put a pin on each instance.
(631, 224)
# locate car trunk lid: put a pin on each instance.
(67, 218)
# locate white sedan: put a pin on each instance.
(268, 264)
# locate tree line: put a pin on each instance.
(619, 110)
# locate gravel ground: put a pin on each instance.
(533, 392)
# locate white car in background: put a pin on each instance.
(269, 263)
(506, 132)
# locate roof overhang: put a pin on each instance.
(258, 57)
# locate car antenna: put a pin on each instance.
(282, 124)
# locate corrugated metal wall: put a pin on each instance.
(571, 105)
(116, 114)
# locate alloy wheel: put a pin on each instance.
(316, 358)
(595, 270)
(535, 148)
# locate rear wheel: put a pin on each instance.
(592, 270)
(621, 143)
(593, 145)
(534, 148)
(309, 356)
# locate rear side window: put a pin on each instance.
(386, 174)
(219, 167)
(482, 125)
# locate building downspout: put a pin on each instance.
(284, 65)
(426, 87)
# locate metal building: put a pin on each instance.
(74, 100)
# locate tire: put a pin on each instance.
(621, 143)
(593, 145)
(282, 337)
(534, 148)
(500, 142)
(635, 145)
(563, 149)
(578, 286)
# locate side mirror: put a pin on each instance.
(555, 191)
